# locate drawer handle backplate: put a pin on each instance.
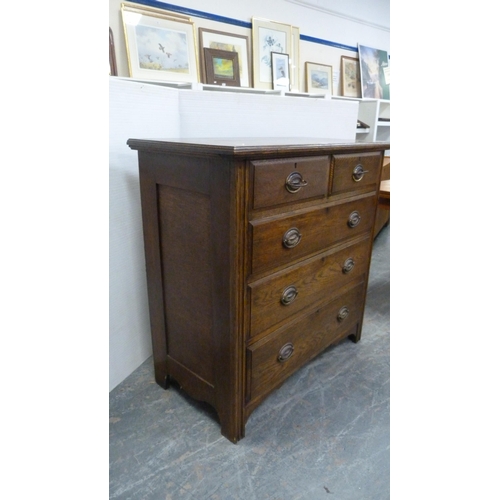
(289, 295)
(291, 238)
(343, 313)
(358, 172)
(294, 182)
(354, 219)
(348, 265)
(285, 352)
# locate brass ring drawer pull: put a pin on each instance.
(354, 219)
(291, 238)
(358, 172)
(285, 352)
(294, 182)
(343, 313)
(348, 265)
(289, 295)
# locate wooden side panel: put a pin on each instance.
(165, 181)
(184, 219)
(149, 204)
(196, 214)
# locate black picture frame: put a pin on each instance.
(280, 69)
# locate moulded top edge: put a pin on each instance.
(253, 145)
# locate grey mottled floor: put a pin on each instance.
(323, 435)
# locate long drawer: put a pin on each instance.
(281, 296)
(285, 239)
(272, 359)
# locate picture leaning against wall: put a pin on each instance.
(268, 36)
(375, 73)
(159, 47)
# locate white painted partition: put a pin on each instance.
(232, 114)
(142, 110)
(135, 110)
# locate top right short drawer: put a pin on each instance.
(355, 171)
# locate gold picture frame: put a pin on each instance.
(350, 82)
(295, 60)
(318, 78)
(268, 36)
(160, 46)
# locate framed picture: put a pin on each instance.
(295, 60)
(267, 37)
(140, 8)
(374, 73)
(280, 66)
(113, 70)
(318, 78)
(159, 47)
(222, 67)
(220, 40)
(350, 83)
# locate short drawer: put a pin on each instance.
(282, 296)
(271, 360)
(285, 181)
(283, 240)
(355, 171)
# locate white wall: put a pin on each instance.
(140, 111)
(345, 22)
(135, 110)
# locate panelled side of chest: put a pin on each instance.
(193, 208)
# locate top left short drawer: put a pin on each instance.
(277, 182)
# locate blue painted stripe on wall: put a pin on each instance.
(234, 22)
(326, 42)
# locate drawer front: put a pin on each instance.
(356, 171)
(274, 358)
(285, 181)
(281, 241)
(282, 296)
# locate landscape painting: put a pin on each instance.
(319, 79)
(375, 75)
(223, 68)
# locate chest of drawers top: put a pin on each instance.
(252, 147)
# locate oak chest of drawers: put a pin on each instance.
(257, 259)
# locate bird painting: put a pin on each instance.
(162, 48)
